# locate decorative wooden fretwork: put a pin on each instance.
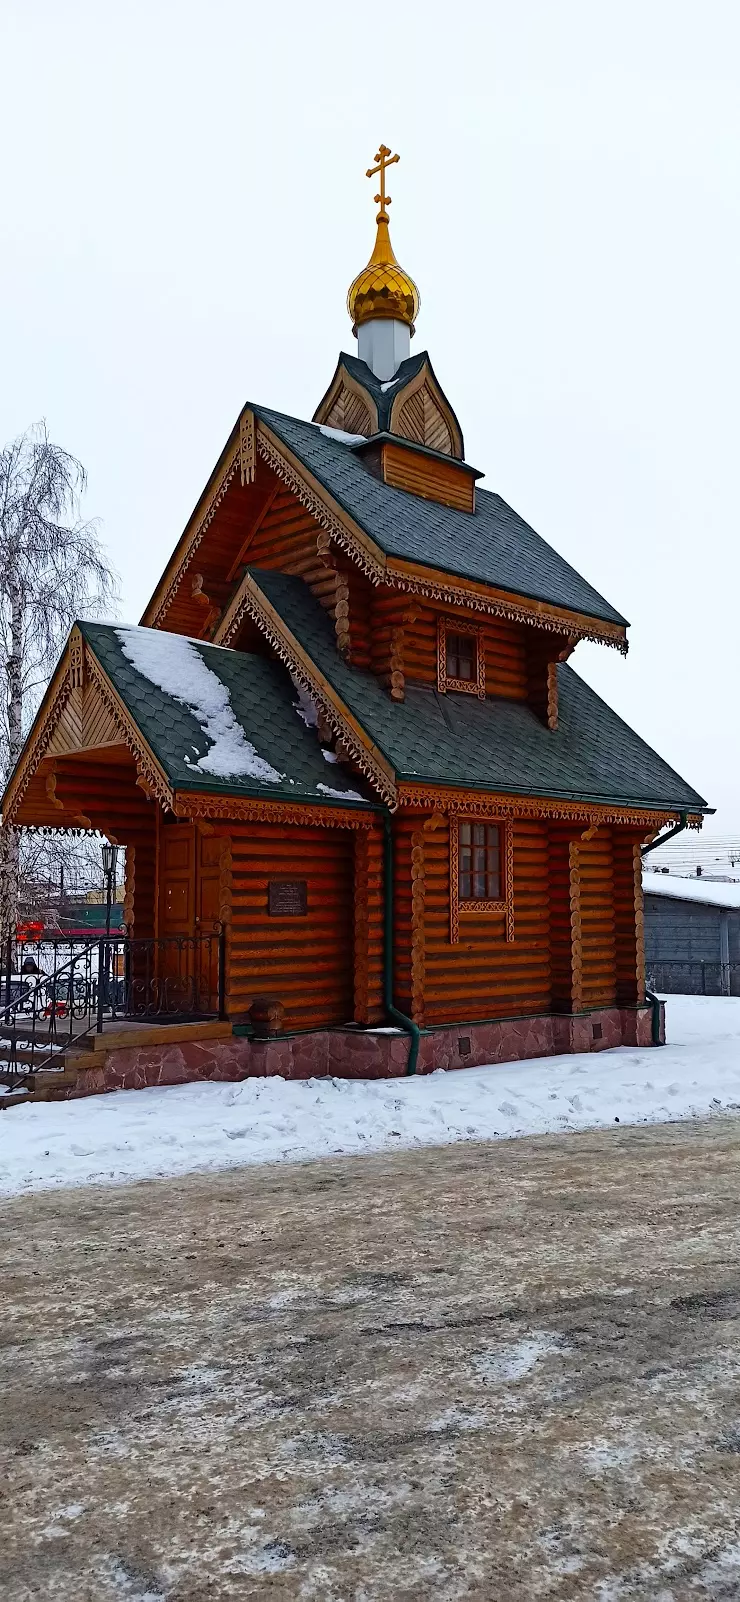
(490, 804)
(452, 636)
(247, 449)
(552, 695)
(199, 804)
(224, 883)
(349, 537)
(397, 678)
(255, 605)
(129, 888)
(463, 877)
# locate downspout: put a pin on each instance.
(412, 1029)
(678, 828)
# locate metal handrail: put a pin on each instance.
(121, 976)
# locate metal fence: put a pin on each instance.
(78, 987)
(693, 978)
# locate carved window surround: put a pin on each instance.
(477, 686)
(461, 909)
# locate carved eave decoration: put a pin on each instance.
(251, 602)
(253, 438)
(487, 804)
(198, 804)
(77, 666)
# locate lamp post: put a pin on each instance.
(110, 858)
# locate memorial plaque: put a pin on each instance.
(287, 898)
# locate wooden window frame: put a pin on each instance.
(476, 686)
(505, 904)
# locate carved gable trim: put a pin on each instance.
(421, 413)
(61, 722)
(252, 603)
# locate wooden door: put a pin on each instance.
(207, 926)
(177, 889)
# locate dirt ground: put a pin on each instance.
(501, 1372)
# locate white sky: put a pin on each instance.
(184, 206)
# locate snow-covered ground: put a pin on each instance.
(147, 1133)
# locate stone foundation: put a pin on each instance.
(371, 1054)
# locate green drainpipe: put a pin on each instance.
(408, 1024)
(655, 1004)
(678, 828)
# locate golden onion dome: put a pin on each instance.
(383, 289)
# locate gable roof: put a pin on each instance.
(492, 545)
(497, 745)
(266, 712)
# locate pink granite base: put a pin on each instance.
(357, 1054)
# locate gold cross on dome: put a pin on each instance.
(384, 159)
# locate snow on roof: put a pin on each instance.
(173, 663)
(710, 894)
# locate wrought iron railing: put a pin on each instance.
(80, 987)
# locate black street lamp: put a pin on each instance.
(110, 858)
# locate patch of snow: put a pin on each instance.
(389, 384)
(176, 667)
(340, 795)
(710, 894)
(137, 1134)
(305, 706)
(330, 756)
(499, 1365)
(339, 434)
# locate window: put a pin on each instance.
(460, 657)
(481, 873)
(479, 877)
(461, 654)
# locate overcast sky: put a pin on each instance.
(184, 206)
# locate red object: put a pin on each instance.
(29, 931)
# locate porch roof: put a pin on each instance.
(220, 720)
(496, 744)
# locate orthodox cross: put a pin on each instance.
(384, 159)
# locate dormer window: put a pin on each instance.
(460, 657)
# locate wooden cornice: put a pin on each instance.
(250, 601)
(487, 803)
(204, 804)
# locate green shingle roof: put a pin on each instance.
(491, 545)
(263, 700)
(493, 744)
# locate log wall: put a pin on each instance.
(306, 962)
(484, 975)
(504, 644)
(598, 930)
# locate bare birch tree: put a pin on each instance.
(52, 570)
